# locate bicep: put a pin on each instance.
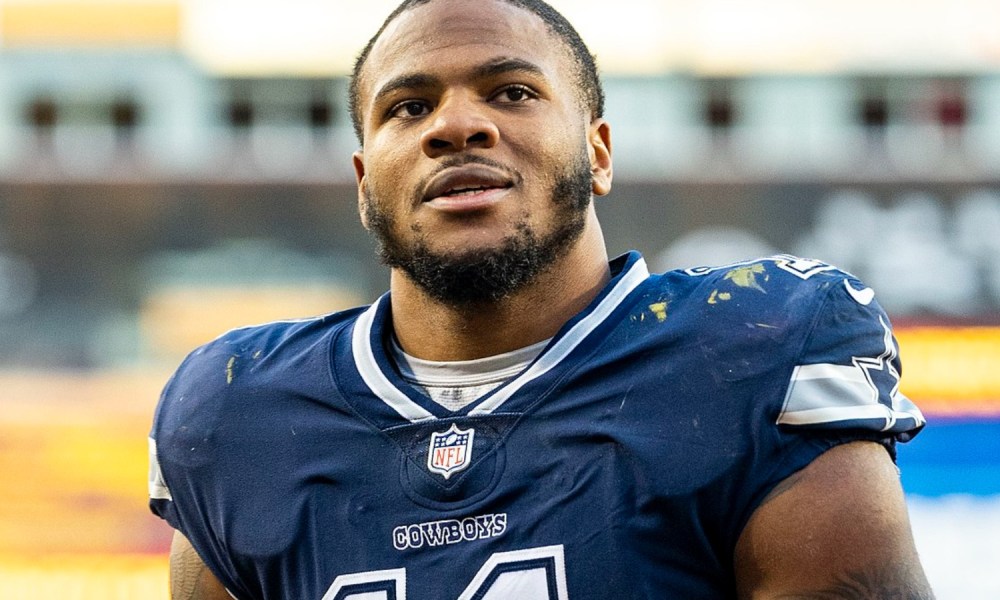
(190, 579)
(837, 529)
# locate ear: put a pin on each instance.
(599, 146)
(358, 158)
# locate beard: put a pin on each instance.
(482, 276)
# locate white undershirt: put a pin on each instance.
(455, 384)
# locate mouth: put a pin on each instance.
(466, 182)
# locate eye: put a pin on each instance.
(409, 109)
(515, 94)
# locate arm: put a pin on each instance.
(190, 579)
(836, 530)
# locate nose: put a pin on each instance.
(458, 123)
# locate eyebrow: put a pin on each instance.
(492, 68)
(502, 66)
(405, 82)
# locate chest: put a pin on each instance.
(600, 484)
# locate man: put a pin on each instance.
(520, 417)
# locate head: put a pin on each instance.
(482, 144)
(588, 80)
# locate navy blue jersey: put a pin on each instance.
(623, 462)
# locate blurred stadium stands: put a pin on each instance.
(172, 169)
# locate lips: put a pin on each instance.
(456, 182)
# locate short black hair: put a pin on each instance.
(588, 79)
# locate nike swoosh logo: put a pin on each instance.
(863, 297)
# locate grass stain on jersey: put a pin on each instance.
(717, 296)
(659, 310)
(746, 276)
(742, 277)
(229, 369)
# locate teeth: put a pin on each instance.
(466, 191)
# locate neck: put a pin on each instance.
(429, 329)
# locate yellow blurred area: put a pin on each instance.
(77, 23)
(83, 577)
(74, 459)
(73, 518)
(951, 369)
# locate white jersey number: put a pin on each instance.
(533, 574)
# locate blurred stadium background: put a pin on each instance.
(171, 169)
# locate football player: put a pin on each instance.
(520, 417)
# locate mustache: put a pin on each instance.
(461, 161)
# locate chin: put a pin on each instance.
(470, 244)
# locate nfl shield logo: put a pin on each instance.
(451, 451)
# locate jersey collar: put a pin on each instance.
(375, 369)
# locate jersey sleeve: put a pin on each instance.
(225, 456)
(161, 499)
(847, 374)
(185, 469)
(839, 383)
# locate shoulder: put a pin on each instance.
(234, 389)
(820, 328)
(780, 292)
(771, 275)
(839, 342)
(239, 364)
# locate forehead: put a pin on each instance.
(450, 33)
